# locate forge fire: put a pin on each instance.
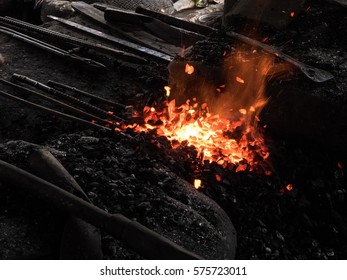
(215, 132)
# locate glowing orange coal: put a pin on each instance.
(230, 138)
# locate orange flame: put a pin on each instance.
(228, 135)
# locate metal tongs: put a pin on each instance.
(89, 63)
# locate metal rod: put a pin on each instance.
(143, 240)
(57, 102)
(72, 40)
(91, 64)
(76, 101)
(97, 15)
(76, 90)
(51, 111)
(136, 48)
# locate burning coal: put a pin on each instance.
(229, 133)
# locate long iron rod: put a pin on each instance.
(76, 90)
(56, 102)
(136, 48)
(91, 64)
(72, 99)
(71, 40)
(51, 111)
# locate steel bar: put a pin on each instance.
(50, 34)
(135, 48)
(97, 15)
(76, 101)
(91, 64)
(180, 23)
(51, 111)
(173, 35)
(81, 92)
(313, 73)
(143, 240)
(57, 102)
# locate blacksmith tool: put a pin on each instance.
(162, 30)
(97, 15)
(313, 73)
(63, 105)
(135, 48)
(60, 86)
(44, 33)
(76, 101)
(51, 111)
(86, 62)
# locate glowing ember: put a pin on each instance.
(230, 136)
(243, 111)
(239, 80)
(168, 90)
(289, 187)
(292, 14)
(218, 178)
(197, 183)
(216, 139)
(265, 39)
(189, 69)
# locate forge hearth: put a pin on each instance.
(298, 211)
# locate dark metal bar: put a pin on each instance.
(57, 102)
(97, 15)
(174, 21)
(51, 111)
(71, 40)
(143, 240)
(91, 64)
(136, 48)
(78, 91)
(76, 101)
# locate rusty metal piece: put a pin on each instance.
(51, 111)
(143, 240)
